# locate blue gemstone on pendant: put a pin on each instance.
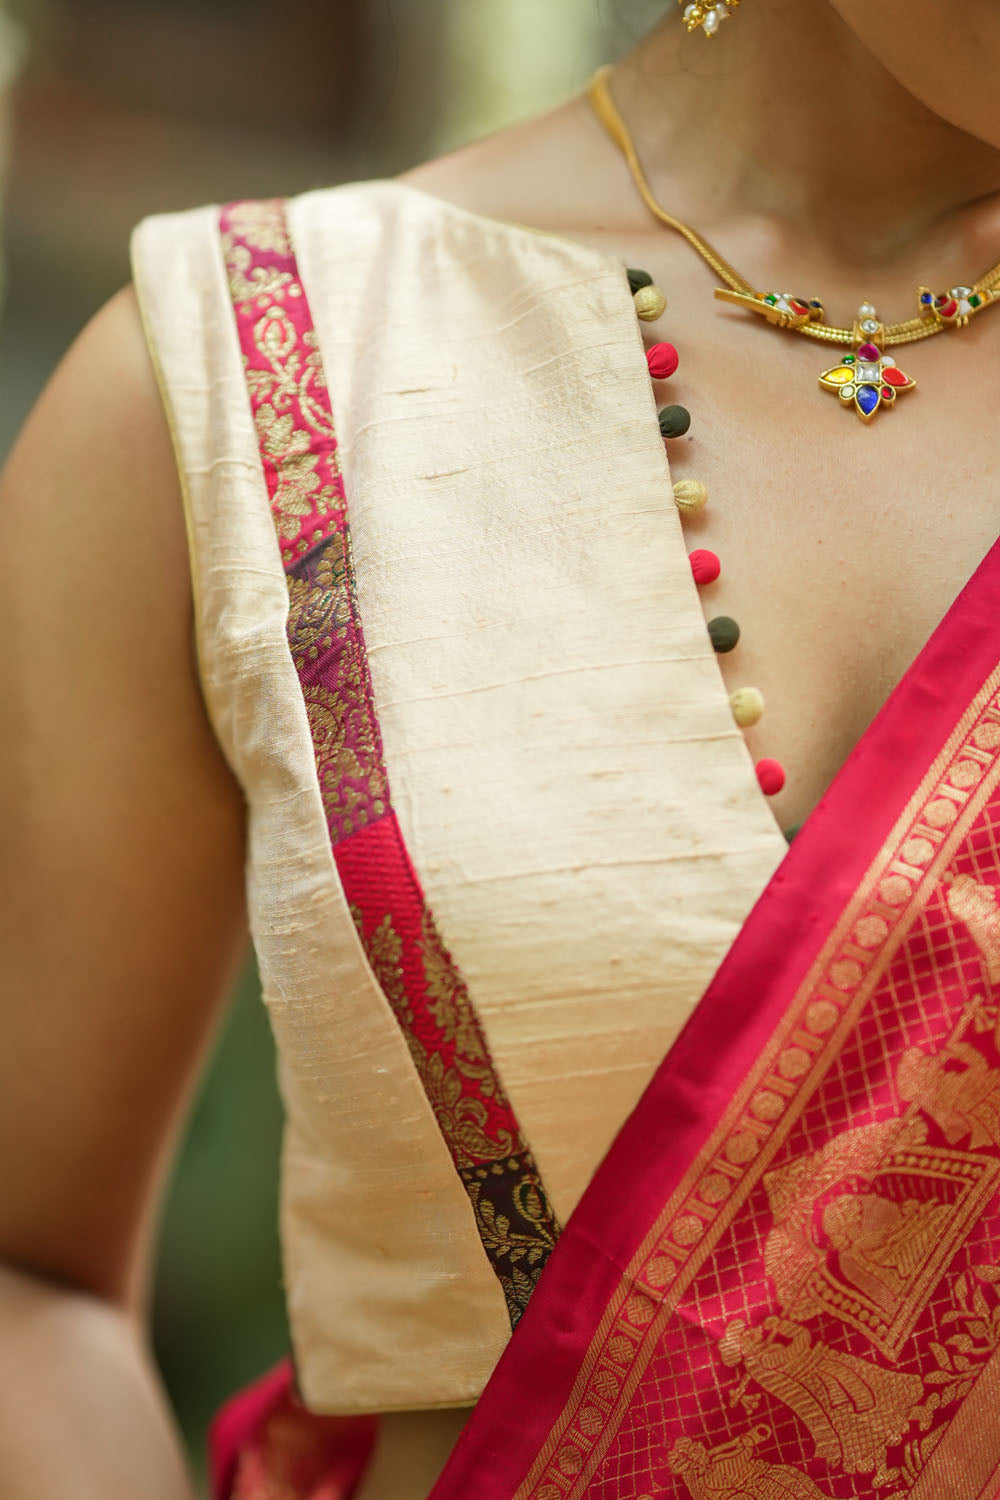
(927, 297)
(867, 399)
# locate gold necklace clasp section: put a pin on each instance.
(867, 379)
(779, 308)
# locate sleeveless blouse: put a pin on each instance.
(549, 731)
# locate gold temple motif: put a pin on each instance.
(864, 1228)
(975, 904)
(957, 1089)
(853, 1409)
(733, 1471)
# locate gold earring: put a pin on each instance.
(708, 14)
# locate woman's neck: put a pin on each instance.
(796, 132)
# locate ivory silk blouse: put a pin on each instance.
(580, 809)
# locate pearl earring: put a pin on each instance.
(708, 14)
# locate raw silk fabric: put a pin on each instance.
(578, 805)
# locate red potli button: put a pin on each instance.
(663, 360)
(705, 566)
(771, 776)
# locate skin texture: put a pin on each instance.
(121, 914)
(121, 863)
(950, 68)
(123, 833)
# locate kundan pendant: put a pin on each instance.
(867, 380)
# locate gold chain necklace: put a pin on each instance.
(867, 379)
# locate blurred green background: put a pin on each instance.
(120, 108)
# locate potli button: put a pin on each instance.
(690, 496)
(650, 303)
(663, 360)
(747, 704)
(674, 421)
(771, 776)
(638, 279)
(705, 566)
(724, 633)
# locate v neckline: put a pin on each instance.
(605, 264)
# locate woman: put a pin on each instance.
(502, 826)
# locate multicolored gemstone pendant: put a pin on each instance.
(867, 380)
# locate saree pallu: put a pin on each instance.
(782, 1281)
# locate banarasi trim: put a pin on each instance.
(292, 413)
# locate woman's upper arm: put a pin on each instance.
(121, 827)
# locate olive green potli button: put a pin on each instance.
(638, 279)
(674, 421)
(724, 633)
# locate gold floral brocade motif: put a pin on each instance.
(297, 442)
(512, 1216)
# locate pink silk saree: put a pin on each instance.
(783, 1281)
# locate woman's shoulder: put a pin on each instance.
(123, 827)
(91, 485)
(100, 414)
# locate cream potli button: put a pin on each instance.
(690, 496)
(650, 303)
(747, 704)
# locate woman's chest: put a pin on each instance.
(842, 544)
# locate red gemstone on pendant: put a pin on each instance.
(868, 351)
(894, 376)
(705, 566)
(797, 306)
(663, 360)
(948, 308)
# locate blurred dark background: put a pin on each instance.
(114, 109)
